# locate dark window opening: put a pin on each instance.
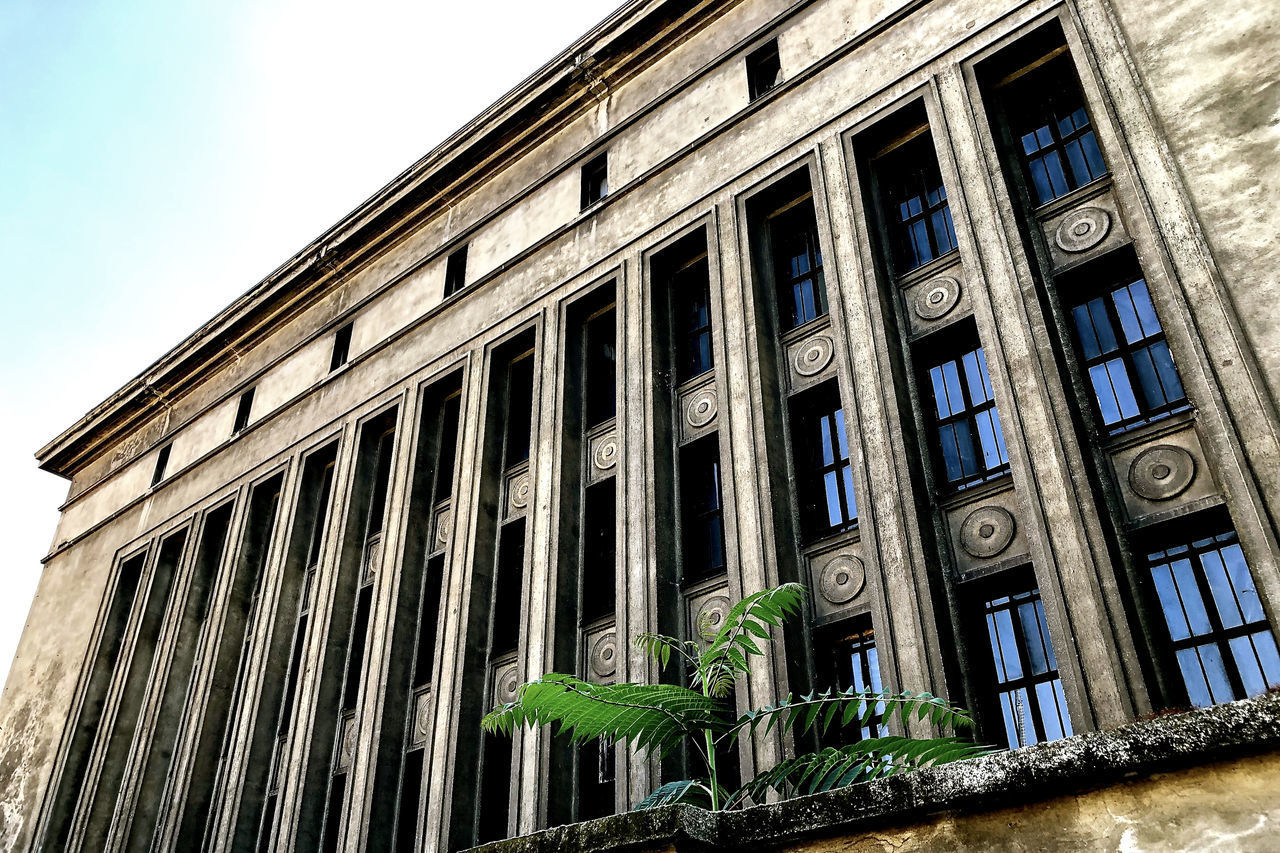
(917, 212)
(1048, 121)
(381, 483)
(507, 585)
(764, 70)
(1032, 704)
(1217, 629)
(599, 550)
(162, 462)
(595, 180)
(1123, 350)
(701, 521)
(455, 271)
(495, 788)
(596, 777)
(600, 403)
(407, 814)
(691, 309)
(823, 472)
(341, 347)
(850, 661)
(968, 439)
(519, 410)
(797, 264)
(447, 456)
(244, 409)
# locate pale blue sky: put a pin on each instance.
(159, 157)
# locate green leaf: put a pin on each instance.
(695, 792)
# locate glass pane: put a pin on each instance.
(1242, 582)
(1170, 603)
(1166, 372)
(1103, 326)
(831, 487)
(1143, 309)
(1007, 640)
(1123, 391)
(842, 442)
(1085, 332)
(1247, 665)
(1128, 314)
(1192, 602)
(1224, 595)
(973, 376)
(1049, 718)
(1264, 643)
(1057, 178)
(991, 457)
(825, 440)
(1193, 678)
(1092, 154)
(941, 403)
(968, 453)
(951, 375)
(951, 452)
(1148, 378)
(851, 509)
(1076, 159)
(1215, 670)
(1065, 713)
(1031, 638)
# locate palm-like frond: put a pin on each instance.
(659, 647)
(822, 710)
(836, 767)
(651, 717)
(725, 657)
(694, 792)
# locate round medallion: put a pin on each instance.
(520, 491)
(701, 408)
(813, 356)
(936, 298)
(987, 531)
(711, 616)
(506, 684)
(604, 655)
(348, 752)
(1081, 230)
(442, 526)
(1162, 472)
(605, 454)
(422, 717)
(842, 578)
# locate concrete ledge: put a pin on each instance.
(1136, 753)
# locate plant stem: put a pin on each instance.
(711, 771)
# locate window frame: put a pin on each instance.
(790, 293)
(818, 416)
(763, 62)
(455, 271)
(957, 352)
(595, 180)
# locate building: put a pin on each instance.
(957, 311)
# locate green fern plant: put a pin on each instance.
(657, 718)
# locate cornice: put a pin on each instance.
(614, 51)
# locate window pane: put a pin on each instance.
(1192, 602)
(1194, 679)
(1242, 583)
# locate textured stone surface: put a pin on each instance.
(1194, 781)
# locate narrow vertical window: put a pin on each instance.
(701, 522)
(822, 462)
(341, 347)
(455, 271)
(764, 71)
(1219, 634)
(1048, 122)
(691, 310)
(854, 664)
(1028, 687)
(1124, 352)
(595, 180)
(797, 265)
(519, 421)
(244, 410)
(918, 215)
(601, 369)
(162, 463)
(967, 434)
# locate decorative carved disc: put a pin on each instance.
(506, 684)
(711, 616)
(701, 408)
(1162, 472)
(347, 752)
(605, 454)
(987, 531)
(842, 578)
(937, 297)
(520, 491)
(1081, 230)
(443, 517)
(604, 655)
(813, 356)
(422, 717)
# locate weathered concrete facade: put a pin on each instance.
(825, 312)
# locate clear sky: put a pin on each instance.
(159, 157)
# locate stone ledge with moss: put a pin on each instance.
(1205, 779)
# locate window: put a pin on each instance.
(691, 306)
(1032, 704)
(854, 663)
(599, 550)
(918, 214)
(764, 71)
(1124, 352)
(600, 403)
(243, 411)
(162, 462)
(341, 347)
(519, 410)
(1051, 131)
(702, 529)
(969, 440)
(455, 271)
(595, 180)
(1217, 628)
(823, 472)
(797, 264)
